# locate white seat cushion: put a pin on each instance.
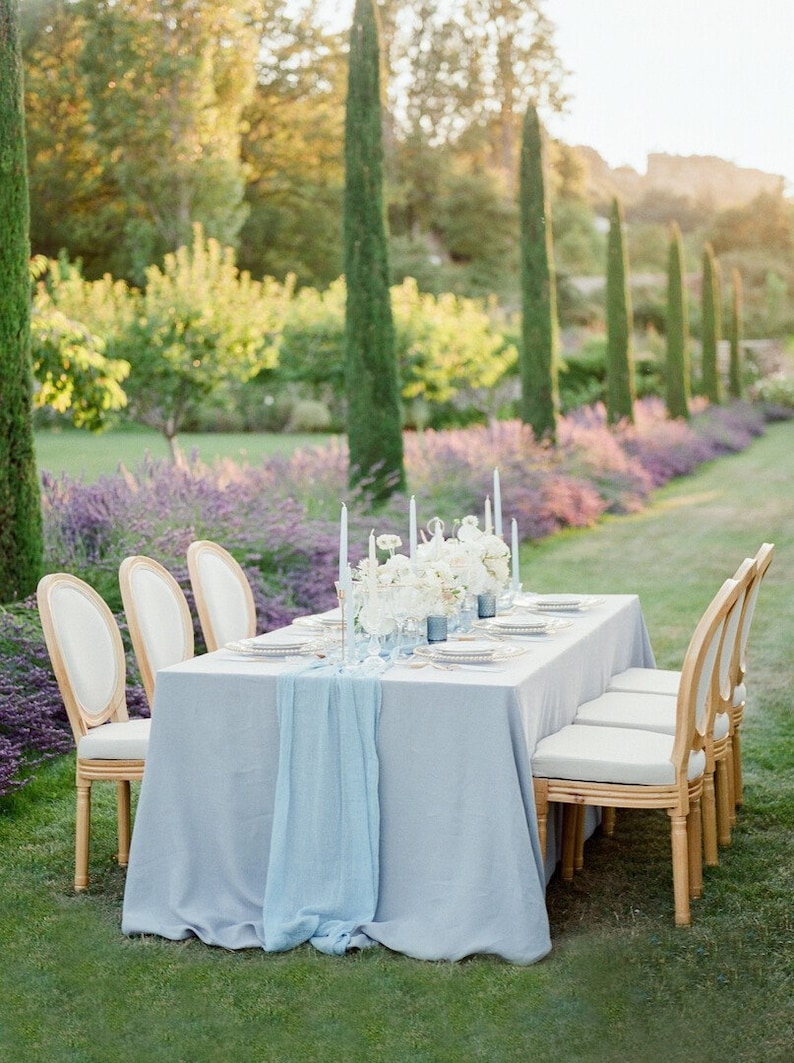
(646, 712)
(647, 681)
(610, 755)
(116, 741)
(739, 695)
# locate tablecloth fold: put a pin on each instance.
(322, 878)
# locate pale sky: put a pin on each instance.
(686, 77)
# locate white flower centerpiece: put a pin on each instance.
(436, 582)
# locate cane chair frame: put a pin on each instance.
(681, 798)
(88, 771)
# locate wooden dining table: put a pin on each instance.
(460, 869)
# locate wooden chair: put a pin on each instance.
(631, 768)
(763, 559)
(666, 680)
(87, 655)
(224, 600)
(657, 712)
(158, 616)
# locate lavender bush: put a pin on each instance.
(280, 519)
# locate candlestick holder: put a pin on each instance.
(344, 596)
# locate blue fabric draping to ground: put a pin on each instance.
(322, 879)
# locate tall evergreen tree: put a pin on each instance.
(539, 392)
(373, 399)
(620, 359)
(735, 335)
(20, 497)
(711, 312)
(677, 386)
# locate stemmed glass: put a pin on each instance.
(375, 618)
(404, 608)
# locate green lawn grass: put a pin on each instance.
(621, 984)
(85, 455)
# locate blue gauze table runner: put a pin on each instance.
(322, 878)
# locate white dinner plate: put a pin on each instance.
(482, 652)
(512, 625)
(276, 645)
(563, 603)
(320, 621)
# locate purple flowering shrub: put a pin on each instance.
(280, 520)
(33, 723)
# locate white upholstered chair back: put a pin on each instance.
(224, 600)
(86, 651)
(161, 627)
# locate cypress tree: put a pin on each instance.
(20, 496)
(620, 325)
(735, 362)
(538, 365)
(373, 400)
(677, 368)
(711, 324)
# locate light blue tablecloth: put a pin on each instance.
(460, 869)
(322, 874)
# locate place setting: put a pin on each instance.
(554, 604)
(277, 646)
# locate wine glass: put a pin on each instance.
(375, 617)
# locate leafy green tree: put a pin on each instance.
(447, 346)
(465, 75)
(74, 376)
(765, 224)
(20, 502)
(198, 323)
(620, 359)
(735, 337)
(168, 81)
(711, 303)
(677, 383)
(75, 202)
(373, 403)
(293, 148)
(538, 363)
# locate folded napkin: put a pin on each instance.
(322, 878)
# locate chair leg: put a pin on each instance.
(81, 835)
(123, 814)
(608, 817)
(578, 856)
(541, 788)
(570, 821)
(709, 811)
(680, 853)
(731, 784)
(694, 836)
(723, 803)
(738, 791)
